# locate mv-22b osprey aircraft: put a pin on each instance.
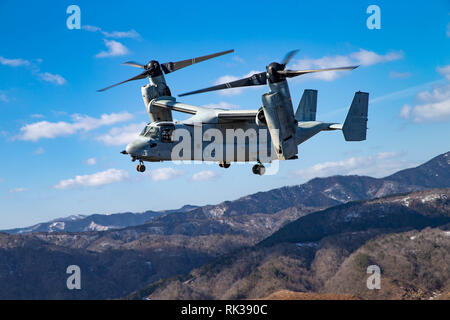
(159, 140)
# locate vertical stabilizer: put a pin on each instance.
(355, 125)
(307, 107)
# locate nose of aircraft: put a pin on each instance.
(137, 146)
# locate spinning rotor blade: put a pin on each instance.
(288, 57)
(134, 64)
(294, 73)
(272, 73)
(255, 80)
(153, 68)
(139, 76)
(169, 67)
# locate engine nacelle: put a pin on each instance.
(261, 118)
(155, 89)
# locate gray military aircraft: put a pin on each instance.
(261, 135)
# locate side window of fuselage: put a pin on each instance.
(166, 134)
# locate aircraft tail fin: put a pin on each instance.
(307, 107)
(355, 125)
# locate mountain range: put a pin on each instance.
(407, 236)
(175, 254)
(95, 222)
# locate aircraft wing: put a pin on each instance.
(170, 104)
(237, 115)
(222, 115)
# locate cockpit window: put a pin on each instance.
(150, 132)
(143, 131)
(163, 133)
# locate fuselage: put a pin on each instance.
(228, 142)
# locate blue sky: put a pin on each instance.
(60, 139)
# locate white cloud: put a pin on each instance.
(399, 75)
(404, 93)
(33, 66)
(46, 129)
(122, 135)
(379, 165)
(362, 57)
(332, 168)
(39, 150)
(434, 106)
(17, 190)
(114, 34)
(91, 161)
(204, 175)
(121, 34)
(405, 111)
(94, 180)
(431, 106)
(368, 58)
(162, 174)
(222, 105)
(238, 59)
(445, 71)
(115, 48)
(14, 62)
(3, 97)
(439, 93)
(52, 78)
(91, 28)
(387, 155)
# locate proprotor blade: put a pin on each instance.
(294, 73)
(139, 76)
(288, 57)
(169, 67)
(255, 80)
(134, 64)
